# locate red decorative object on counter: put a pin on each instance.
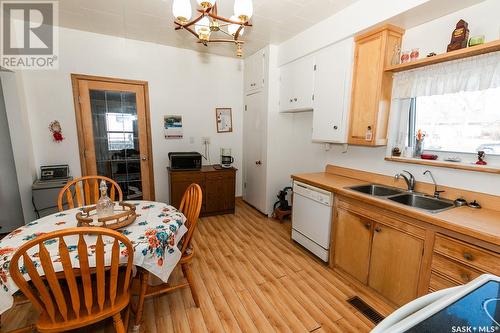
(481, 155)
(429, 157)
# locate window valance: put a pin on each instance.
(470, 74)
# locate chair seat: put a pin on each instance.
(45, 324)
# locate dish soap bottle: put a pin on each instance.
(105, 206)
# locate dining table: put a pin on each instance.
(155, 235)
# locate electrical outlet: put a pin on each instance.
(205, 140)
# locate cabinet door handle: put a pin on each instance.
(368, 225)
(468, 256)
(378, 229)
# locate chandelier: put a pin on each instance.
(208, 24)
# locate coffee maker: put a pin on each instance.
(225, 157)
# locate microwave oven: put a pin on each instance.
(185, 161)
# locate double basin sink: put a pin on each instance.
(410, 199)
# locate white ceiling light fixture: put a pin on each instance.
(182, 10)
(243, 9)
(202, 28)
(207, 23)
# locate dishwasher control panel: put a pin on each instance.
(314, 193)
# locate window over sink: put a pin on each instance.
(454, 105)
(463, 122)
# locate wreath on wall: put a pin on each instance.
(55, 128)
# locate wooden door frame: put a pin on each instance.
(75, 78)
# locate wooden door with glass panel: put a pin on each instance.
(114, 133)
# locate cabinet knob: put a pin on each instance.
(368, 225)
(465, 277)
(335, 127)
(468, 256)
(378, 229)
(258, 162)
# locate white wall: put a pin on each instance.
(435, 36)
(432, 36)
(359, 16)
(289, 146)
(20, 135)
(363, 15)
(180, 82)
(10, 199)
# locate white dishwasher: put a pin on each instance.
(312, 218)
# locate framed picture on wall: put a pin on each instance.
(224, 119)
(172, 125)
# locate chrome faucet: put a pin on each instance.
(437, 193)
(410, 181)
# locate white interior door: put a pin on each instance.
(254, 170)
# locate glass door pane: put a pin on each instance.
(116, 139)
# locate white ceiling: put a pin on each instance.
(151, 20)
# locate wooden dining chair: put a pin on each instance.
(75, 297)
(190, 207)
(85, 190)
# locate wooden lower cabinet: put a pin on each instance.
(395, 263)
(384, 254)
(218, 188)
(352, 244)
(455, 262)
(402, 258)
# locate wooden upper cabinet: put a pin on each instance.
(372, 87)
(352, 244)
(395, 263)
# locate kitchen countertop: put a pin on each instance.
(483, 224)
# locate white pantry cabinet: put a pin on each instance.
(297, 85)
(332, 86)
(254, 72)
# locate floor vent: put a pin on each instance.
(365, 309)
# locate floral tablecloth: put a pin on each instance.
(154, 235)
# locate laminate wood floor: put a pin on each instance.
(250, 278)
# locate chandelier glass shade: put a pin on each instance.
(243, 9)
(182, 10)
(208, 27)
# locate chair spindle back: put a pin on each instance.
(58, 293)
(85, 191)
(191, 207)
